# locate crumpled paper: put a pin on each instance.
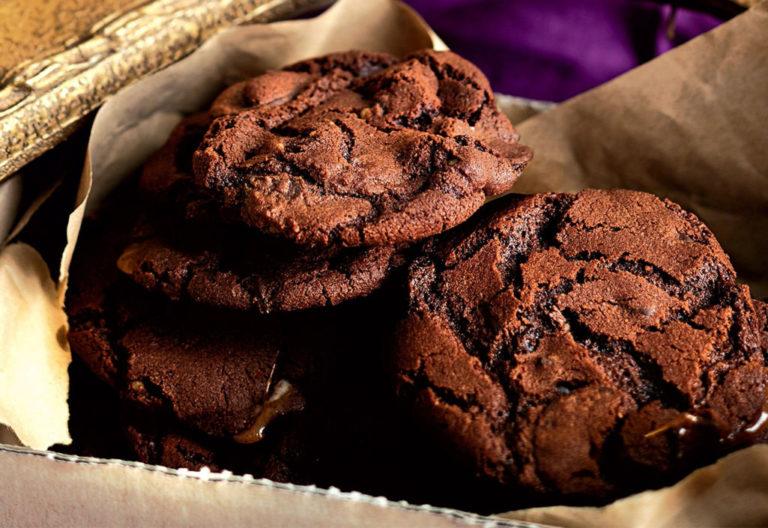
(689, 125)
(732, 492)
(33, 347)
(34, 355)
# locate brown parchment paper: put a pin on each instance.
(733, 493)
(687, 127)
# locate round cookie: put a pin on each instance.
(582, 346)
(222, 373)
(300, 86)
(221, 270)
(384, 156)
(166, 177)
(102, 426)
(188, 253)
(285, 456)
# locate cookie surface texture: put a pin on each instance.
(582, 345)
(368, 152)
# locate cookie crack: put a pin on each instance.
(150, 392)
(639, 375)
(448, 71)
(349, 140)
(420, 382)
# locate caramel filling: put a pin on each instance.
(681, 424)
(746, 434)
(285, 398)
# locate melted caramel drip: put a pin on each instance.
(681, 423)
(745, 435)
(284, 399)
(752, 432)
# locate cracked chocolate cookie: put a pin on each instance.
(280, 94)
(103, 426)
(285, 456)
(223, 373)
(581, 346)
(240, 270)
(191, 254)
(166, 177)
(346, 150)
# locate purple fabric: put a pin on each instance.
(555, 49)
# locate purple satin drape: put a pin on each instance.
(555, 49)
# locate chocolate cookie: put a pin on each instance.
(301, 86)
(346, 151)
(102, 426)
(189, 253)
(224, 374)
(582, 346)
(166, 177)
(285, 456)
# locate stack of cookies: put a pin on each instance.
(206, 292)
(318, 240)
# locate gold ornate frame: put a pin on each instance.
(43, 98)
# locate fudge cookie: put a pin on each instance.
(188, 253)
(285, 456)
(582, 345)
(364, 155)
(166, 177)
(102, 426)
(300, 86)
(224, 374)
(242, 270)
